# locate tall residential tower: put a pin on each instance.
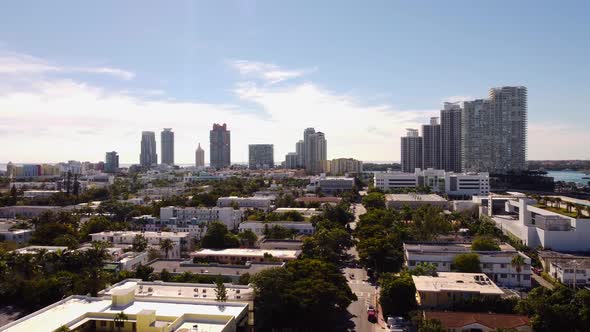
(148, 156)
(167, 141)
(200, 157)
(411, 151)
(431, 157)
(261, 156)
(450, 131)
(220, 146)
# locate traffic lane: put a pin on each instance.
(366, 295)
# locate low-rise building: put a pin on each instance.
(31, 250)
(571, 272)
(241, 256)
(257, 202)
(497, 265)
(180, 240)
(126, 261)
(159, 193)
(149, 307)
(319, 200)
(16, 235)
(258, 227)
(479, 321)
(439, 181)
(330, 184)
(306, 212)
(537, 226)
(280, 244)
(28, 211)
(446, 288)
(147, 223)
(227, 215)
(32, 194)
(414, 201)
(230, 271)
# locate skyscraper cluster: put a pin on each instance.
(483, 135)
(311, 152)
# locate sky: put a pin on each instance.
(78, 79)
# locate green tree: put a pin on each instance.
(278, 232)
(398, 294)
(517, 263)
(431, 325)
(248, 238)
(220, 291)
(244, 279)
(484, 243)
(62, 328)
(467, 263)
(424, 269)
(165, 275)
(140, 243)
(374, 200)
(120, 320)
(144, 272)
(218, 237)
(166, 245)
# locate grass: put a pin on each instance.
(561, 211)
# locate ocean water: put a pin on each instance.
(569, 176)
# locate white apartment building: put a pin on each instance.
(570, 272)
(226, 215)
(495, 264)
(180, 240)
(258, 227)
(306, 212)
(536, 226)
(159, 193)
(238, 255)
(330, 184)
(148, 306)
(261, 203)
(32, 194)
(16, 235)
(34, 185)
(439, 181)
(148, 223)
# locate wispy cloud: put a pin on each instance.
(268, 72)
(24, 64)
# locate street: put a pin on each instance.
(358, 283)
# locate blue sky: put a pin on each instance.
(98, 74)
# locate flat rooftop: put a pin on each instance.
(430, 247)
(191, 291)
(175, 266)
(36, 249)
(145, 234)
(457, 282)
(415, 198)
(292, 254)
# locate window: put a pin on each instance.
(503, 275)
(412, 263)
(526, 277)
(503, 266)
(103, 323)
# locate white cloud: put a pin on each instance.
(555, 140)
(267, 72)
(24, 64)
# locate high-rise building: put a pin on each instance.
(317, 151)
(111, 162)
(299, 150)
(450, 132)
(493, 132)
(167, 141)
(292, 160)
(308, 148)
(411, 151)
(343, 166)
(148, 156)
(220, 146)
(431, 150)
(200, 157)
(261, 156)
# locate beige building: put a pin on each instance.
(447, 287)
(240, 256)
(479, 321)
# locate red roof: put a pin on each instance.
(451, 320)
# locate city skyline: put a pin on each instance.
(363, 92)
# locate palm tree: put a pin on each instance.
(120, 320)
(517, 263)
(569, 206)
(557, 202)
(166, 245)
(579, 208)
(62, 328)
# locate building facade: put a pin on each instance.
(292, 160)
(200, 157)
(342, 166)
(261, 156)
(450, 132)
(431, 150)
(411, 151)
(111, 162)
(316, 150)
(148, 156)
(494, 131)
(167, 139)
(220, 146)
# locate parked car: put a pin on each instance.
(396, 324)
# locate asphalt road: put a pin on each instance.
(358, 282)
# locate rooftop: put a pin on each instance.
(319, 199)
(247, 253)
(412, 197)
(458, 320)
(179, 266)
(457, 282)
(451, 247)
(145, 234)
(36, 249)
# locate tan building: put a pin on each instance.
(240, 256)
(447, 287)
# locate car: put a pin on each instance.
(395, 321)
